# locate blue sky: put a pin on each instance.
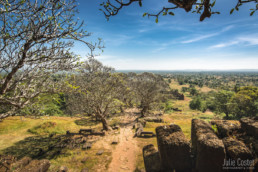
(177, 42)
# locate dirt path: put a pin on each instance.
(125, 153)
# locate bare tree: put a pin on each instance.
(202, 7)
(97, 91)
(35, 39)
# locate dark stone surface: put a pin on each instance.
(37, 166)
(250, 126)
(21, 163)
(151, 159)
(174, 148)
(226, 128)
(208, 148)
(236, 149)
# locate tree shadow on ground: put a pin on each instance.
(38, 147)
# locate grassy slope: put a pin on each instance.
(13, 130)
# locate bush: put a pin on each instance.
(196, 103)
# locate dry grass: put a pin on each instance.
(14, 131)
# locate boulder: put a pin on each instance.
(63, 169)
(84, 160)
(100, 152)
(226, 128)
(208, 148)
(236, 149)
(151, 159)
(250, 126)
(6, 162)
(174, 148)
(153, 119)
(85, 170)
(37, 166)
(21, 163)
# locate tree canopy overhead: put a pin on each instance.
(35, 41)
(202, 7)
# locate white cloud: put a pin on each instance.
(247, 40)
(205, 36)
(199, 38)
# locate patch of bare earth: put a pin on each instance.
(125, 152)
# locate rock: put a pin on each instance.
(250, 126)
(236, 149)
(115, 128)
(86, 146)
(6, 162)
(226, 128)
(174, 148)
(138, 130)
(208, 148)
(115, 141)
(85, 170)
(151, 159)
(68, 132)
(100, 152)
(63, 169)
(37, 166)
(21, 163)
(84, 160)
(153, 119)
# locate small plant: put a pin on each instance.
(215, 129)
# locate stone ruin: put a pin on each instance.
(214, 147)
(23, 165)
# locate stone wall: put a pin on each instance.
(212, 147)
(174, 148)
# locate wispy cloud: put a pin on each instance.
(201, 37)
(248, 40)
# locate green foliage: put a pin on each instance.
(196, 103)
(222, 101)
(215, 128)
(168, 107)
(193, 91)
(245, 102)
(46, 104)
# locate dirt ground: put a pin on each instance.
(124, 153)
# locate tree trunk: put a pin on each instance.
(143, 111)
(104, 124)
(122, 109)
(227, 115)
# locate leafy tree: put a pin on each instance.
(147, 88)
(245, 102)
(193, 91)
(222, 102)
(196, 103)
(202, 7)
(34, 43)
(184, 89)
(96, 91)
(45, 104)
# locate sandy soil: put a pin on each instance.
(125, 152)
